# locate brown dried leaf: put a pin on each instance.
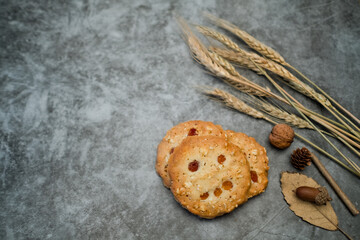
(322, 216)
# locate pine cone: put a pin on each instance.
(300, 158)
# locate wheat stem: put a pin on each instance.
(323, 92)
(271, 66)
(282, 91)
(348, 120)
(233, 102)
(294, 120)
(338, 134)
(202, 56)
(288, 119)
(322, 122)
(275, 56)
(286, 75)
(328, 154)
(347, 144)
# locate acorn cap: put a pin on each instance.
(323, 196)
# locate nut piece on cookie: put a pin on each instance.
(210, 176)
(175, 136)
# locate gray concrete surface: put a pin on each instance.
(89, 88)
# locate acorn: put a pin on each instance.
(317, 195)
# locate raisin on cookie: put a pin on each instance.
(175, 136)
(210, 176)
(257, 158)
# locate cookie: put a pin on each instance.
(210, 177)
(175, 136)
(257, 158)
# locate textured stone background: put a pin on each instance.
(89, 88)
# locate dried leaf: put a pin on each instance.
(322, 216)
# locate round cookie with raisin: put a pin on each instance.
(257, 158)
(210, 177)
(175, 136)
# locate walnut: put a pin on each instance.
(281, 136)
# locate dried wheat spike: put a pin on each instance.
(202, 56)
(242, 59)
(233, 102)
(225, 64)
(248, 39)
(219, 37)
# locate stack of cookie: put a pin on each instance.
(209, 170)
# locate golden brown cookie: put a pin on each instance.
(210, 176)
(175, 136)
(257, 158)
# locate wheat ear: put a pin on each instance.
(278, 113)
(235, 58)
(219, 37)
(225, 64)
(203, 57)
(242, 59)
(248, 39)
(233, 102)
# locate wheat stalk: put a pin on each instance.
(203, 57)
(264, 63)
(233, 102)
(242, 59)
(278, 113)
(248, 39)
(239, 58)
(298, 122)
(275, 56)
(245, 62)
(285, 94)
(329, 97)
(267, 64)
